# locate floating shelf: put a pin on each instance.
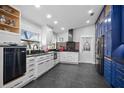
(6, 25)
(10, 15)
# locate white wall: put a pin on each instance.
(30, 26)
(48, 36)
(9, 37)
(88, 31)
(63, 36)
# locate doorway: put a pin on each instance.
(87, 50)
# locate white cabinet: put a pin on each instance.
(16, 83)
(30, 70)
(69, 57)
(43, 64)
(41, 68)
(28, 77)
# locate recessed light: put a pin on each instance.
(90, 11)
(37, 6)
(62, 28)
(88, 21)
(109, 20)
(49, 16)
(105, 21)
(55, 22)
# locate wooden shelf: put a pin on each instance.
(6, 25)
(8, 13)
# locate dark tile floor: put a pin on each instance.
(70, 76)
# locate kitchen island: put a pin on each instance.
(69, 57)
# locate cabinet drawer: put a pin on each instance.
(30, 65)
(107, 63)
(31, 70)
(120, 83)
(16, 83)
(29, 76)
(31, 59)
(120, 67)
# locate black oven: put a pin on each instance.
(14, 62)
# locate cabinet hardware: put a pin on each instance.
(31, 60)
(31, 76)
(17, 84)
(40, 63)
(31, 70)
(31, 65)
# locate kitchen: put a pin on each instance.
(61, 46)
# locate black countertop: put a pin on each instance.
(39, 54)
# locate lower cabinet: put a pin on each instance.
(16, 83)
(107, 70)
(117, 74)
(43, 64)
(69, 57)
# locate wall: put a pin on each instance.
(9, 37)
(62, 37)
(89, 31)
(48, 36)
(30, 26)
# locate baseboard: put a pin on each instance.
(70, 62)
(87, 62)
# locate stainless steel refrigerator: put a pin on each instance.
(99, 63)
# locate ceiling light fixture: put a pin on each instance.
(37, 6)
(62, 28)
(88, 21)
(90, 11)
(49, 16)
(55, 22)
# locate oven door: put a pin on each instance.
(14, 63)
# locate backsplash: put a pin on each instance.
(9, 37)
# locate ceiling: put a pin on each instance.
(68, 16)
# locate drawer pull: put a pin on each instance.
(40, 63)
(31, 60)
(16, 84)
(31, 70)
(31, 65)
(31, 76)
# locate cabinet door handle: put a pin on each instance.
(31, 70)
(31, 76)
(31, 60)
(17, 84)
(40, 63)
(31, 65)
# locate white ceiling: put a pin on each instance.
(68, 16)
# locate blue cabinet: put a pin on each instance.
(107, 70)
(113, 30)
(117, 74)
(108, 44)
(122, 34)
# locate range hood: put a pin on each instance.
(70, 35)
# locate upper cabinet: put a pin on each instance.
(9, 19)
(109, 25)
(122, 34)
